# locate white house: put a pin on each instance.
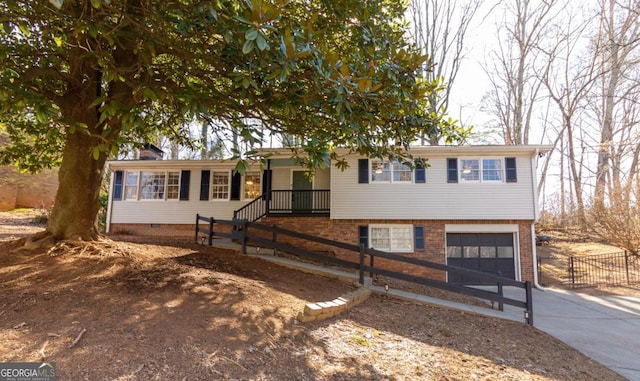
(471, 206)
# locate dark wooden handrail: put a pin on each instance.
(241, 232)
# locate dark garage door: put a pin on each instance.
(487, 252)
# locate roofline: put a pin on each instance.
(281, 153)
(484, 149)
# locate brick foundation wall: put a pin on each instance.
(434, 230)
(164, 230)
(348, 231)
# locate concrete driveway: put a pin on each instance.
(605, 328)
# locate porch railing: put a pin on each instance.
(310, 202)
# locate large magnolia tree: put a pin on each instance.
(81, 78)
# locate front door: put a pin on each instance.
(302, 195)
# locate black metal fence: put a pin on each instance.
(612, 269)
(268, 236)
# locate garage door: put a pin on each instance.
(492, 253)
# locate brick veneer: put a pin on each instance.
(347, 231)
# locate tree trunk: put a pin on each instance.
(576, 176)
(75, 211)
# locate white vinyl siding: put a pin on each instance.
(183, 212)
(435, 199)
(282, 178)
(322, 179)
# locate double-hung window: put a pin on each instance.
(393, 238)
(383, 171)
(220, 185)
(131, 186)
(478, 170)
(491, 170)
(173, 185)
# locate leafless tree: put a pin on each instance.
(618, 44)
(439, 29)
(569, 77)
(514, 63)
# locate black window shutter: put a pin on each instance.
(420, 174)
(510, 166)
(236, 182)
(452, 170)
(266, 183)
(185, 180)
(117, 185)
(205, 180)
(363, 171)
(418, 233)
(363, 235)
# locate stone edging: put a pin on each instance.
(325, 310)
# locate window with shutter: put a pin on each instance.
(511, 172)
(363, 234)
(418, 233)
(185, 179)
(236, 183)
(363, 171)
(205, 179)
(118, 177)
(452, 170)
(420, 174)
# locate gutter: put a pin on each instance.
(536, 218)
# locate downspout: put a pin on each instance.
(536, 217)
(110, 201)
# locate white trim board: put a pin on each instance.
(481, 228)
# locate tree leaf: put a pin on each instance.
(251, 34)
(248, 46)
(149, 94)
(24, 29)
(262, 42)
(57, 3)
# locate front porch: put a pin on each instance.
(307, 202)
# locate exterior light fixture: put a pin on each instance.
(249, 182)
(386, 287)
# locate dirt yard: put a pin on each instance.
(554, 263)
(174, 310)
